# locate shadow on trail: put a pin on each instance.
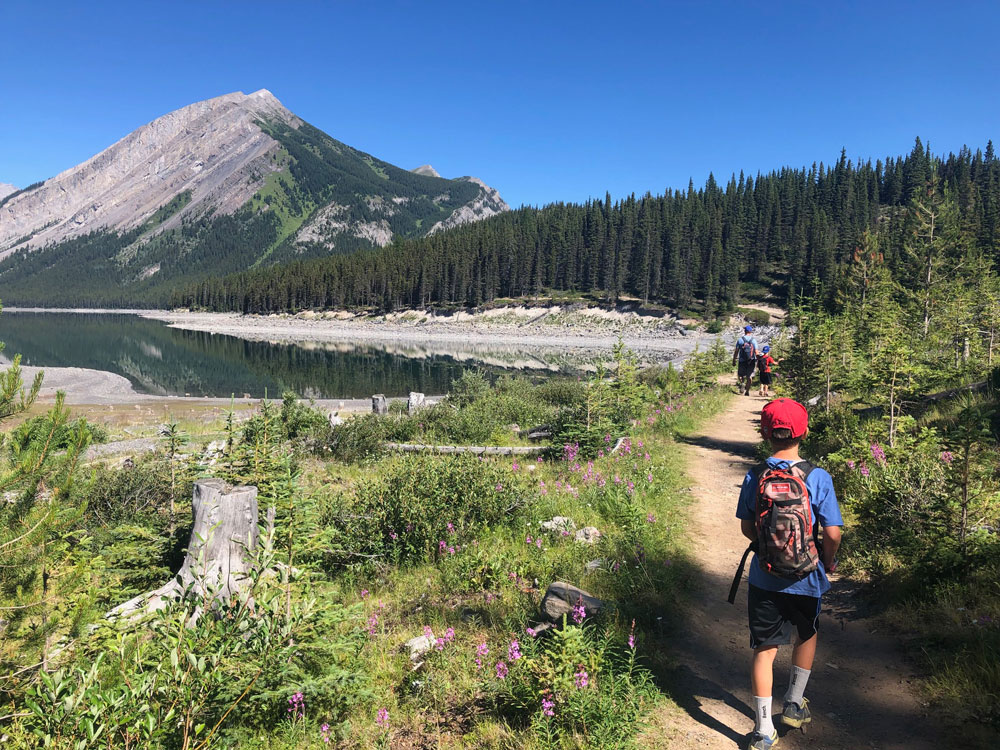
(737, 448)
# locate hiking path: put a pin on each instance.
(862, 692)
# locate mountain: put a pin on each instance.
(6, 189)
(219, 186)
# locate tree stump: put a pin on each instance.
(379, 404)
(216, 564)
(415, 402)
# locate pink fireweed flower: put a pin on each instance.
(297, 706)
(947, 457)
(538, 543)
(373, 625)
(650, 518)
(428, 632)
(600, 453)
(449, 635)
(851, 465)
(364, 593)
(451, 550)
(499, 487)
(324, 732)
(528, 539)
(394, 536)
(877, 453)
(864, 470)
(502, 670)
(531, 632)
(548, 706)
(581, 678)
(382, 718)
(649, 477)
(514, 651)
(514, 466)
(607, 438)
(439, 644)
(631, 637)
(442, 545)
(579, 612)
(451, 527)
(512, 575)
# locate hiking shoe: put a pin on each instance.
(795, 716)
(760, 742)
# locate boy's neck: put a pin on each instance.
(788, 454)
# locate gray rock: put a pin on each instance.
(558, 524)
(588, 535)
(560, 598)
(414, 402)
(418, 646)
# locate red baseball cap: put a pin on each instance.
(784, 413)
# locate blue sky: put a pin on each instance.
(546, 101)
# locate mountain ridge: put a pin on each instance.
(217, 186)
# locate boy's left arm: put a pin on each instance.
(830, 520)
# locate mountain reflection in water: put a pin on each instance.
(167, 361)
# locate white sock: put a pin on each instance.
(764, 725)
(797, 685)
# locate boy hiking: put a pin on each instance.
(783, 505)
(764, 364)
(745, 354)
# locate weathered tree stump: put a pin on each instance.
(216, 564)
(379, 404)
(415, 401)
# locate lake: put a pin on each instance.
(166, 361)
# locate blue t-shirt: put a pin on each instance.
(825, 510)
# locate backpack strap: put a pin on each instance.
(757, 471)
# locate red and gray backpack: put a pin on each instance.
(786, 528)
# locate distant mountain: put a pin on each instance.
(219, 186)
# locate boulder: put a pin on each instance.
(560, 598)
(559, 524)
(588, 535)
(418, 646)
(379, 404)
(414, 402)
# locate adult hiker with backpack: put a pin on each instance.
(745, 355)
(785, 503)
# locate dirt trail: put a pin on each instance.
(861, 690)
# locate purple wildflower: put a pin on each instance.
(548, 706)
(502, 670)
(514, 651)
(382, 719)
(579, 612)
(947, 457)
(581, 678)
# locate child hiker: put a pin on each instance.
(783, 505)
(745, 354)
(764, 363)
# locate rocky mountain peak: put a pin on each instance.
(6, 189)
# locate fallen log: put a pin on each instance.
(216, 564)
(485, 450)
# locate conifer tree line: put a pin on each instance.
(686, 246)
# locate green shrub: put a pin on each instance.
(35, 431)
(404, 512)
(715, 326)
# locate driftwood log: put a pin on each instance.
(484, 450)
(216, 563)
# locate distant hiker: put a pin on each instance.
(783, 505)
(745, 355)
(764, 364)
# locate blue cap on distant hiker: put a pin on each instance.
(766, 348)
(748, 329)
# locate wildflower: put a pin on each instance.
(539, 459)
(325, 733)
(581, 678)
(451, 527)
(449, 635)
(579, 611)
(442, 545)
(851, 465)
(439, 644)
(514, 466)
(451, 550)
(947, 457)
(650, 518)
(607, 438)
(631, 637)
(528, 539)
(538, 543)
(382, 719)
(649, 477)
(512, 575)
(514, 651)
(499, 487)
(600, 453)
(428, 632)
(481, 651)
(364, 593)
(394, 536)
(531, 632)
(864, 470)
(502, 670)
(548, 706)
(297, 706)
(877, 453)
(373, 625)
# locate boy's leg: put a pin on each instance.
(762, 685)
(805, 611)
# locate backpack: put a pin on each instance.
(786, 529)
(748, 353)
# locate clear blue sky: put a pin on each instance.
(546, 101)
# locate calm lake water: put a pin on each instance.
(166, 361)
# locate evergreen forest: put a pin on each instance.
(796, 230)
